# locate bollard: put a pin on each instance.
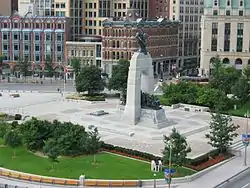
(82, 179)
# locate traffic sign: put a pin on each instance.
(246, 139)
(167, 174)
(169, 171)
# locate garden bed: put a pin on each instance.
(86, 97)
(200, 163)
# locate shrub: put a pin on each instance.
(95, 98)
(15, 95)
(111, 95)
(3, 128)
(18, 117)
(129, 152)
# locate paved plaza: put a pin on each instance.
(112, 129)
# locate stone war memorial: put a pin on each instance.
(141, 105)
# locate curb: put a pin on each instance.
(231, 178)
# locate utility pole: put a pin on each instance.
(246, 141)
(169, 163)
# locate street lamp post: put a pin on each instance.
(169, 163)
(154, 180)
(246, 142)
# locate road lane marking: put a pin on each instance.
(245, 185)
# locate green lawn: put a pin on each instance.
(240, 111)
(108, 166)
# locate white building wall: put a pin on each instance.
(232, 55)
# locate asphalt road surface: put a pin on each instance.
(46, 87)
(242, 181)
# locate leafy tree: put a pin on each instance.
(184, 92)
(213, 98)
(223, 78)
(246, 72)
(94, 141)
(76, 65)
(119, 78)
(52, 150)
(241, 90)
(89, 79)
(222, 132)
(24, 67)
(178, 144)
(50, 68)
(34, 132)
(13, 139)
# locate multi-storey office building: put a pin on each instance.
(189, 13)
(119, 42)
(225, 33)
(8, 7)
(33, 39)
(96, 11)
(89, 53)
(44, 7)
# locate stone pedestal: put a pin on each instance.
(150, 118)
(140, 77)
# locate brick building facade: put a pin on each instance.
(33, 39)
(119, 42)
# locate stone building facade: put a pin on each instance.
(88, 52)
(33, 39)
(119, 42)
(225, 33)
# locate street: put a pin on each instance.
(242, 181)
(46, 86)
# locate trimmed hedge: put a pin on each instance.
(131, 152)
(94, 98)
(198, 163)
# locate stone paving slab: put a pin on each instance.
(145, 138)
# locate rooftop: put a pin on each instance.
(140, 23)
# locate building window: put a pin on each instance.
(241, 3)
(37, 36)
(16, 47)
(5, 25)
(214, 37)
(26, 47)
(59, 37)
(58, 48)
(37, 25)
(240, 27)
(228, 2)
(227, 32)
(48, 36)
(37, 48)
(26, 36)
(215, 2)
(37, 57)
(5, 36)
(15, 36)
(59, 58)
(5, 47)
(215, 12)
(227, 12)
(241, 12)
(48, 25)
(15, 25)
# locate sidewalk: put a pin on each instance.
(219, 174)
